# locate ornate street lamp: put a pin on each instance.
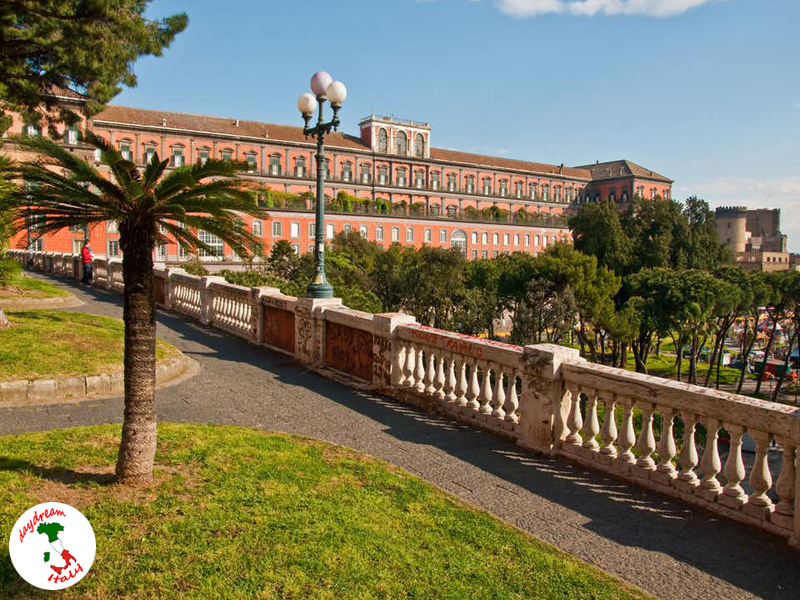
(323, 88)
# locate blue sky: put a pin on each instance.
(706, 92)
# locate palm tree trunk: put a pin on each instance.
(138, 446)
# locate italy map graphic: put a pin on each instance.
(52, 531)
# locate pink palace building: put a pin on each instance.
(397, 187)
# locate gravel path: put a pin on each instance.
(669, 549)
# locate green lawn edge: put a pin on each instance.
(58, 343)
(243, 513)
(31, 288)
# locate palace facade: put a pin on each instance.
(388, 183)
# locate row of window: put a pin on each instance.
(477, 238)
(535, 191)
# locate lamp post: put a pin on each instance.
(323, 88)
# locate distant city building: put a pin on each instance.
(754, 237)
(407, 191)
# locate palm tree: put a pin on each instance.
(146, 203)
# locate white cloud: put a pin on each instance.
(777, 192)
(651, 8)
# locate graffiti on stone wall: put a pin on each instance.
(278, 328)
(349, 350)
(304, 338)
(382, 361)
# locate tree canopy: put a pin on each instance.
(88, 46)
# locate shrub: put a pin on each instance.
(9, 269)
(196, 268)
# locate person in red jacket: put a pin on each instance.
(86, 259)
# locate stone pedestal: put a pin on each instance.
(542, 406)
(309, 334)
(384, 347)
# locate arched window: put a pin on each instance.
(401, 143)
(451, 182)
(487, 185)
(383, 141)
(458, 241)
(419, 146)
(401, 177)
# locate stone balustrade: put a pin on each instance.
(732, 455)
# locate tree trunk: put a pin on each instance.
(722, 351)
(746, 355)
(782, 377)
(767, 350)
(718, 341)
(138, 446)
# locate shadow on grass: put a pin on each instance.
(56, 474)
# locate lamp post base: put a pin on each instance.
(319, 290)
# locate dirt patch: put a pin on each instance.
(84, 486)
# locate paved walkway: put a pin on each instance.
(669, 549)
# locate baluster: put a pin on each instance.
(408, 369)
(486, 391)
(734, 468)
(451, 382)
(461, 390)
(666, 443)
(609, 430)
(400, 364)
(430, 374)
(786, 479)
(499, 395)
(646, 444)
(420, 372)
(711, 464)
(439, 381)
(687, 459)
(628, 437)
(574, 419)
(760, 477)
(512, 401)
(592, 426)
(473, 393)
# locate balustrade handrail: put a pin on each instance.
(606, 381)
(544, 397)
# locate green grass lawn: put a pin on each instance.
(30, 287)
(241, 513)
(50, 342)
